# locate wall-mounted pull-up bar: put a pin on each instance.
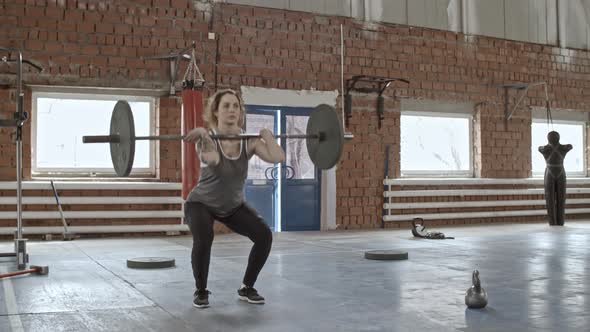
(372, 84)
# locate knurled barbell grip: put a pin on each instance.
(160, 138)
(221, 137)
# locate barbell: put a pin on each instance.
(324, 137)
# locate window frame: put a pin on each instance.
(110, 94)
(584, 125)
(441, 174)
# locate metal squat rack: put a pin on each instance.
(18, 121)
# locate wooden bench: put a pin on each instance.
(470, 199)
(114, 207)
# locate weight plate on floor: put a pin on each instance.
(150, 263)
(386, 255)
(325, 152)
(123, 152)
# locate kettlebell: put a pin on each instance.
(476, 297)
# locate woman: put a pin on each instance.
(219, 194)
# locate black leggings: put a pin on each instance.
(244, 221)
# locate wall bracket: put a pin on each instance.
(522, 88)
(174, 59)
(369, 84)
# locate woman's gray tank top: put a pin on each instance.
(221, 187)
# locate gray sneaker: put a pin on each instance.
(201, 298)
(251, 295)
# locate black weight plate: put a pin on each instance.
(123, 152)
(326, 152)
(150, 263)
(386, 255)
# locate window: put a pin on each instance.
(436, 144)
(290, 122)
(61, 119)
(570, 132)
(258, 168)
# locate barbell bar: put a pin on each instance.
(116, 138)
(324, 137)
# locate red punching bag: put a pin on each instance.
(192, 117)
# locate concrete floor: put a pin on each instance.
(537, 279)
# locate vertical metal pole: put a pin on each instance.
(558, 20)
(19, 225)
(20, 244)
(173, 66)
(506, 103)
(19, 147)
(386, 177)
(342, 75)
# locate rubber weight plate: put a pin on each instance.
(325, 152)
(386, 255)
(150, 263)
(123, 152)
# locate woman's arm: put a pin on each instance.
(206, 148)
(267, 149)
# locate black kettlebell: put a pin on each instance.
(476, 297)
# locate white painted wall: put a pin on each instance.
(393, 11)
(296, 98)
(561, 114)
(484, 17)
(554, 22)
(435, 14)
(574, 27)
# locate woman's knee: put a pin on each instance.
(261, 233)
(202, 240)
(266, 235)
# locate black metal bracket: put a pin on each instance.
(28, 62)
(20, 116)
(18, 120)
(174, 59)
(522, 88)
(369, 84)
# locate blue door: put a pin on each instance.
(286, 195)
(300, 185)
(260, 187)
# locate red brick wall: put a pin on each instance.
(170, 165)
(361, 172)
(86, 43)
(504, 146)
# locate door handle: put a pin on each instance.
(287, 172)
(266, 173)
